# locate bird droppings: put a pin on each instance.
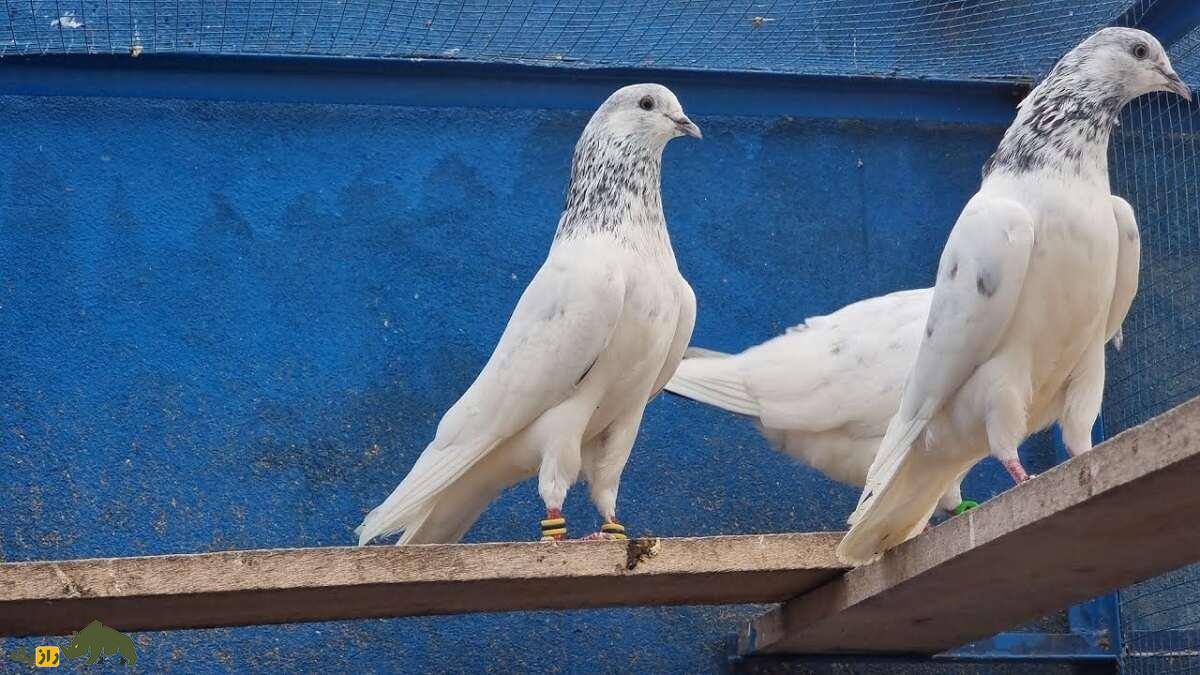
(639, 550)
(70, 588)
(67, 20)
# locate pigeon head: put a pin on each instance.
(649, 112)
(1065, 122)
(616, 171)
(1130, 60)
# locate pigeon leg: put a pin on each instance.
(560, 468)
(611, 529)
(603, 461)
(1085, 393)
(554, 527)
(1005, 430)
(1016, 470)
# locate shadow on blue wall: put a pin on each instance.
(233, 325)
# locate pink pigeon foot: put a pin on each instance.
(1016, 470)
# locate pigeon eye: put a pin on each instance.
(647, 103)
(1140, 51)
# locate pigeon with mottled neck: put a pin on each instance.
(1033, 280)
(594, 337)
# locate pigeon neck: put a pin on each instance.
(615, 190)
(1062, 126)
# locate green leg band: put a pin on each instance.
(965, 505)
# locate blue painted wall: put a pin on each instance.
(235, 325)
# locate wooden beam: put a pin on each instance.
(1124, 512)
(291, 585)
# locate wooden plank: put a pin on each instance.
(1124, 512)
(290, 585)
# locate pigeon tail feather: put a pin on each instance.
(702, 353)
(412, 500)
(897, 504)
(449, 510)
(715, 382)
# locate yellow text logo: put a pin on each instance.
(46, 656)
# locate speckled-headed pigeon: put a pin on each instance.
(1029, 288)
(595, 336)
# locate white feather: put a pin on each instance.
(822, 392)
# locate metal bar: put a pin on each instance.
(1167, 20)
(458, 84)
(1028, 647)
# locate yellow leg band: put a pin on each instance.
(554, 528)
(614, 530)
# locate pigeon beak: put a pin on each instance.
(1175, 84)
(685, 126)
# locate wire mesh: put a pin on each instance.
(1154, 155)
(956, 39)
(1156, 166)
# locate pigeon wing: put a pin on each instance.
(559, 329)
(980, 276)
(683, 334)
(1129, 261)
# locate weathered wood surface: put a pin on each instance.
(1121, 513)
(291, 585)
(1124, 512)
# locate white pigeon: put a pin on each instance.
(595, 336)
(822, 392)
(1034, 279)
